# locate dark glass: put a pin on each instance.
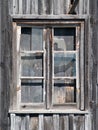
(37, 39)
(32, 65)
(32, 91)
(64, 91)
(64, 39)
(25, 38)
(31, 39)
(64, 64)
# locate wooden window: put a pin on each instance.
(50, 65)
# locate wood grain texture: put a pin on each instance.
(50, 7)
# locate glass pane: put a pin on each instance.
(64, 64)
(32, 91)
(64, 39)
(37, 39)
(64, 91)
(25, 38)
(32, 65)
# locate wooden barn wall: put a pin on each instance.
(0, 65)
(44, 121)
(93, 61)
(5, 64)
(49, 7)
(49, 122)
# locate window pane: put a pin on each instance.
(25, 38)
(64, 64)
(32, 65)
(32, 91)
(64, 91)
(37, 38)
(64, 39)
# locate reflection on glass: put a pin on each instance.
(64, 39)
(32, 65)
(32, 91)
(31, 39)
(37, 38)
(64, 64)
(25, 38)
(64, 91)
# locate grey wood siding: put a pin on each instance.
(49, 122)
(49, 7)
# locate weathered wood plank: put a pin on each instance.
(15, 5)
(79, 122)
(66, 6)
(48, 122)
(66, 122)
(82, 78)
(81, 6)
(33, 123)
(28, 7)
(13, 123)
(56, 122)
(25, 122)
(13, 94)
(48, 65)
(57, 7)
(71, 122)
(41, 122)
(17, 66)
(18, 123)
(34, 6)
(20, 7)
(49, 6)
(42, 7)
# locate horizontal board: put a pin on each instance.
(49, 122)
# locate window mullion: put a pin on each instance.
(48, 67)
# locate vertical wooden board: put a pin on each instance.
(28, 7)
(66, 122)
(12, 116)
(20, 6)
(57, 7)
(13, 93)
(56, 122)
(61, 122)
(85, 6)
(24, 122)
(69, 94)
(81, 10)
(71, 122)
(42, 7)
(48, 65)
(41, 122)
(34, 6)
(15, 6)
(18, 74)
(18, 123)
(82, 76)
(79, 122)
(34, 122)
(48, 122)
(10, 7)
(24, 4)
(66, 6)
(88, 122)
(77, 67)
(49, 6)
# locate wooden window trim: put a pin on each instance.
(16, 37)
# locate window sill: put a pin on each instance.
(51, 111)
